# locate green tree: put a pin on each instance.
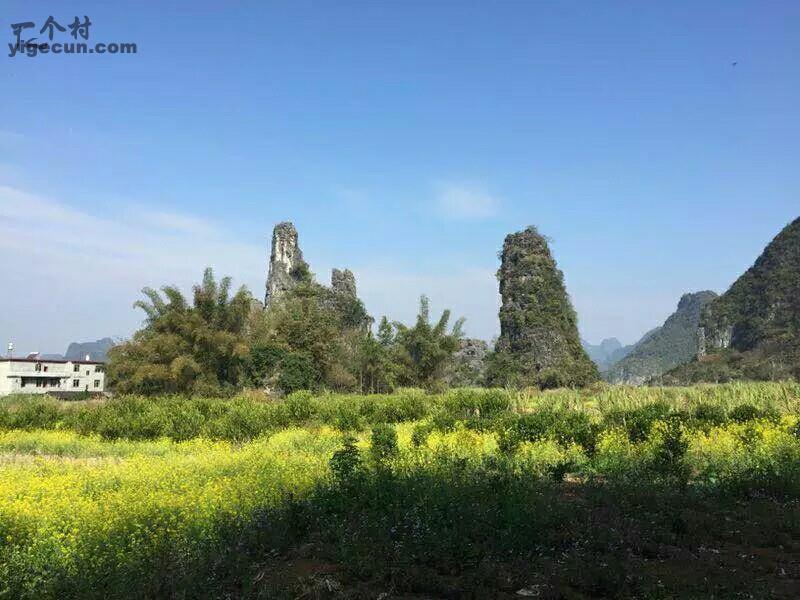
(377, 371)
(311, 343)
(425, 349)
(194, 349)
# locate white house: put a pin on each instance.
(38, 376)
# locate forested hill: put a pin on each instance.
(752, 331)
(662, 349)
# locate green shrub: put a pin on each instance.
(131, 417)
(669, 448)
(419, 436)
(464, 403)
(346, 461)
(563, 426)
(748, 412)
(347, 417)
(707, 413)
(638, 421)
(244, 420)
(300, 406)
(405, 405)
(263, 362)
(383, 442)
(298, 372)
(185, 420)
(38, 413)
(443, 421)
(574, 427)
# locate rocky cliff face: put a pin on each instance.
(286, 265)
(287, 269)
(80, 350)
(343, 282)
(672, 344)
(468, 366)
(342, 297)
(538, 343)
(95, 350)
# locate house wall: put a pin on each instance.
(39, 377)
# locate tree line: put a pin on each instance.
(220, 342)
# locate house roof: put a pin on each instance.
(53, 362)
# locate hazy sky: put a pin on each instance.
(404, 139)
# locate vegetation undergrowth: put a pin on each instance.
(482, 491)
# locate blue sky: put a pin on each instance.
(404, 139)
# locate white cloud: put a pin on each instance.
(70, 275)
(461, 201)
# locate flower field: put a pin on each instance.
(480, 490)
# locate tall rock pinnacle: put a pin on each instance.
(538, 343)
(343, 282)
(286, 265)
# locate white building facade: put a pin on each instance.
(38, 376)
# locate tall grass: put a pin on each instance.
(247, 417)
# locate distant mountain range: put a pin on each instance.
(659, 350)
(750, 332)
(665, 347)
(97, 350)
(607, 353)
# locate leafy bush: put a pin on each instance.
(300, 406)
(38, 413)
(707, 413)
(638, 421)
(563, 426)
(464, 403)
(747, 412)
(403, 405)
(263, 362)
(668, 451)
(347, 417)
(298, 372)
(420, 433)
(347, 460)
(383, 442)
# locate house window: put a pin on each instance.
(38, 367)
(76, 368)
(76, 383)
(96, 383)
(98, 368)
(45, 368)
